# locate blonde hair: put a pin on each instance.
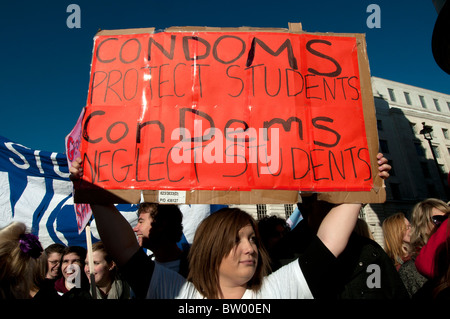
(214, 239)
(394, 230)
(421, 219)
(16, 266)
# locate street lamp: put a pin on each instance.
(426, 132)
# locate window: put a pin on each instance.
(422, 101)
(261, 211)
(445, 133)
(384, 147)
(448, 150)
(436, 151)
(436, 103)
(433, 132)
(288, 210)
(407, 98)
(392, 95)
(448, 105)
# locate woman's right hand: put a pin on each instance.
(76, 170)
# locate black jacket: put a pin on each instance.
(351, 277)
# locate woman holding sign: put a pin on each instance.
(227, 259)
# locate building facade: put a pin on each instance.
(419, 166)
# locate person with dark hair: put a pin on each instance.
(73, 283)
(53, 253)
(159, 229)
(272, 229)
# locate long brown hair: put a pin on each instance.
(393, 231)
(214, 239)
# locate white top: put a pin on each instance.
(287, 282)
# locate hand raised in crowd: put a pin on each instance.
(76, 170)
(383, 166)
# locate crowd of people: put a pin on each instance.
(329, 254)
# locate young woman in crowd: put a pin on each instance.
(107, 281)
(397, 238)
(424, 219)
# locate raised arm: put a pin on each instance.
(338, 224)
(115, 231)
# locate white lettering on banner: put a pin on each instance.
(5, 205)
(56, 166)
(37, 156)
(25, 164)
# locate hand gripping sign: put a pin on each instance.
(230, 110)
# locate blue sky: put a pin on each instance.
(46, 65)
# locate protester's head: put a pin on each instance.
(424, 219)
(363, 229)
(314, 210)
(272, 229)
(158, 225)
(146, 214)
(18, 253)
(397, 236)
(227, 249)
(53, 253)
(72, 264)
(104, 266)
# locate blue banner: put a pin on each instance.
(35, 189)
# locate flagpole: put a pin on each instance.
(91, 261)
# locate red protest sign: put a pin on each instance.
(225, 111)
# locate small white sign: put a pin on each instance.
(172, 197)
